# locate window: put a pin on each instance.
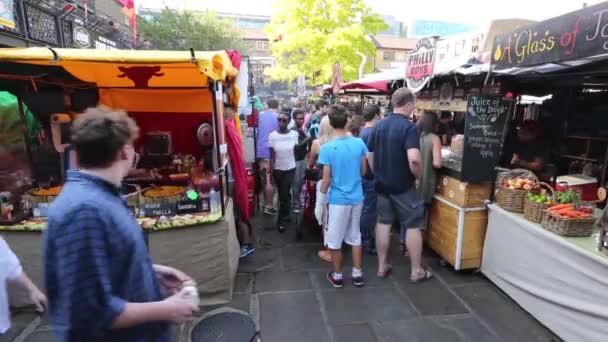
(261, 45)
(389, 55)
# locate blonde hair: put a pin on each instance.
(326, 132)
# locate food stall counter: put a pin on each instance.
(561, 281)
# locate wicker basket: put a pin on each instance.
(513, 199)
(536, 211)
(568, 226)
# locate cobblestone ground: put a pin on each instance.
(283, 287)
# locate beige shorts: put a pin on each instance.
(343, 226)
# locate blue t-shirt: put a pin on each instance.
(96, 261)
(389, 141)
(344, 155)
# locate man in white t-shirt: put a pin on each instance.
(11, 270)
(283, 164)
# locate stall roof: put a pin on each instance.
(130, 68)
(378, 81)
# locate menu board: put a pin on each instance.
(158, 209)
(485, 121)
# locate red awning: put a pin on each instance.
(381, 86)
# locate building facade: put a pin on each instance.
(99, 24)
(391, 51)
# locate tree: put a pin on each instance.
(172, 30)
(311, 35)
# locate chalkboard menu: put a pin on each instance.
(485, 121)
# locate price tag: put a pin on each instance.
(158, 209)
(189, 207)
(41, 210)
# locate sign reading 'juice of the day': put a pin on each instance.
(420, 64)
(574, 35)
(485, 122)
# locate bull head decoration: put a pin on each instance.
(140, 75)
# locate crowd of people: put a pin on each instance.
(365, 173)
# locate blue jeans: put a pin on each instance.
(369, 211)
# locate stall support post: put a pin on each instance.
(218, 103)
(24, 130)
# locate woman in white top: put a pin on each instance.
(283, 166)
(11, 271)
(326, 133)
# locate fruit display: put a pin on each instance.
(569, 211)
(540, 197)
(164, 191)
(179, 221)
(519, 184)
(28, 225)
(53, 191)
(565, 197)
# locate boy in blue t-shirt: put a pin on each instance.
(343, 161)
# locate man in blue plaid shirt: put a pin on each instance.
(100, 281)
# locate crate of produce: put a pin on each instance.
(566, 220)
(512, 189)
(538, 201)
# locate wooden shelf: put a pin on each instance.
(582, 158)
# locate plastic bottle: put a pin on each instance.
(214, 199)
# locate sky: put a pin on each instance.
(474, 12)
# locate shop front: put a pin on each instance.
(178, 189)
(544, 244)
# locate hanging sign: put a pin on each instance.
(574, 35)
(420, 64)
(7, 14)
(82, 38)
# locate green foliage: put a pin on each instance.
(314, 34)
(172, 30)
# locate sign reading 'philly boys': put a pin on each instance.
(420, 64)
(574, 35)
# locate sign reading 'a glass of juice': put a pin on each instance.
(574, 35)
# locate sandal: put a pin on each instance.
(427, 275)
(387, 272)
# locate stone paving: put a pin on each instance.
(283, 287)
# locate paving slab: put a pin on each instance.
(271, 281)
(262, 259)
(430, 297)
(243, 283)
(351, 305)
(302, 258)
(294, 317)
(354, 333)
(503, 315)
(320, 281)
(19, 321)
(431, 330)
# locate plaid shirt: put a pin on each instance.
(96, 261)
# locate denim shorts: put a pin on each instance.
(407, 206)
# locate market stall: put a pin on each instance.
(178, 190)
(545, 245)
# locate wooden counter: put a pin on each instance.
(457, 222)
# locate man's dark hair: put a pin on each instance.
(98, 135)
(370, 112)
(446, 115)
(338, 116)
(428, 123)
(273, 104)
(401, 97)
(297, 112)
(320, 104)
